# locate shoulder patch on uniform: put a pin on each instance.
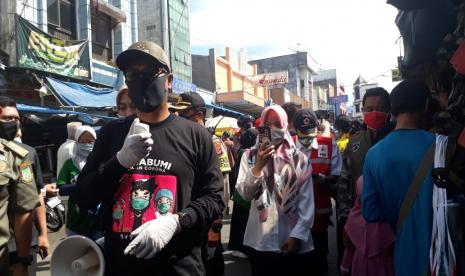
(355, 146)
(16, 148)
(26, 172)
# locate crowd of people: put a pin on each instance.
(155, 184)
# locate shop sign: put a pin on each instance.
(269, 79)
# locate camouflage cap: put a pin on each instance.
(143, 50)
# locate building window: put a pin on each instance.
(357, 108)
(61, 19)
(357, 92)
(102, 49)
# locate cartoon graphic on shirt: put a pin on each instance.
(118, 210)
(163, 201)
(141, 198)
(141, 194)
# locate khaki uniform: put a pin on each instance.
(18, 191)
(352, 169)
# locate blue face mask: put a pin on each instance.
(84, 149)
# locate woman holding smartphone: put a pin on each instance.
(276, 178)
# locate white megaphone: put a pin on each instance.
(77, 255)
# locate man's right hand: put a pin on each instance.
(137, 145)
(51, 190)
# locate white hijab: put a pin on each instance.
(79, 157)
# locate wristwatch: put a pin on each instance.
(25, 261)
(185, 220)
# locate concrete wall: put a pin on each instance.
(125, 34)
(297, 67)
(203, 73)
(150, 21)
(221, 74)
(363, 90)
(7, 33)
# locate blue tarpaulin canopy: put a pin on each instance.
(226, 110)
(75, 94)
(87, 118)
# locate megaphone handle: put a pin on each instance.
(87, 261)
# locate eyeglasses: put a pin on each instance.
(151, 73)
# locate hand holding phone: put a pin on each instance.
(265, 150)
(264, 135)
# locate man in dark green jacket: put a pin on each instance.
(376, 108)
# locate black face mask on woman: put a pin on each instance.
(8, 130)
(147, 94)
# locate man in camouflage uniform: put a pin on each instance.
(18, 197)
(376, 108)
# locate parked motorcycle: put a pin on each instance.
(55, 213)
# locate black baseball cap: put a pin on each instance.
(188, 100)
(305, 121)
(143, 50)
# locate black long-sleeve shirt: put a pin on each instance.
(183, 163)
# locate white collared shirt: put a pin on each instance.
(272, 234)
(336, 158)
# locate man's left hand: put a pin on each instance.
(153, 236)
(43, 245)
(291, 246)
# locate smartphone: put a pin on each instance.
(264, 135)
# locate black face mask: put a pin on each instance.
(147, 94)
(8, 130)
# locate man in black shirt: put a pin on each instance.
(175, 155)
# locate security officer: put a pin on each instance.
(18, 197)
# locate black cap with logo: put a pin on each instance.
(305, 121)
(188, 100)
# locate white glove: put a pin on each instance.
(153, 236)
(137, 145)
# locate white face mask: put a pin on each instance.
(18, 139)
(84, 149)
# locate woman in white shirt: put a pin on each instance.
(276, 178)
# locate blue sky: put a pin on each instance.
(353, 36)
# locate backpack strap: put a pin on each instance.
(420, 175)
